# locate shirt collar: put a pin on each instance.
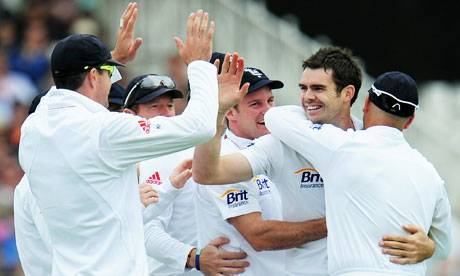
(238, 141)
(61, 98)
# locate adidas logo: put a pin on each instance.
(154, 179)
(145, 125)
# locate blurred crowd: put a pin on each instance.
(28, 31)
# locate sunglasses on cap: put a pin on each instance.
(152, 82)
(109, 68)
(393, 104)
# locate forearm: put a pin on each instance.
(206, 158)
(166, 197)
(164, 248)
(277, 235)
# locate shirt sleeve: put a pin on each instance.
(441, 230)
(170, 252)
(32, 237)
(315, 142)
(264, 154)
(233, 200)
(126, 139)
(166, 195)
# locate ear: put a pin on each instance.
(232, 114)
(92, 77)
(129, 111)
(409, 122)
(348, 92)
(366, 105)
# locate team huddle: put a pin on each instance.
(233, 185)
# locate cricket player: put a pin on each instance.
(80, 158)
(374, 181)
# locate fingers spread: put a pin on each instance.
(396, 252)
(402, 260)
(219, 241)
(229, 255)
(128, 8)
(412, 228)
(212, 28)
(225, 65)
(399, 238)
(191, 19)
(396, 245)
(197, 23)
(204, 25)
(233, 64)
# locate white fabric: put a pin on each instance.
(32, 237)
(215, 204)
(170, 236)
(168, 194)
(375, 183)
(80, 160)
(302, 196)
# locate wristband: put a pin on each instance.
(197, 259)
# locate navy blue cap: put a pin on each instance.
(143, 95)
(73, 53)
(396, 93)
(257, 79)
(117, 94)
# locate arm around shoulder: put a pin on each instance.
(276, 235)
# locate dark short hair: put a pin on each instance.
(344, 67)
(72, 82)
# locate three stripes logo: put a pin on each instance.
(154, 179)
(145, 125)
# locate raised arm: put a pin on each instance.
(208, 166)
(125, 47)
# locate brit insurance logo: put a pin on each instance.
(310, 178)
(263, 184)
(235, 197)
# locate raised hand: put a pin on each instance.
(125, 47)
(148, 194)
(408, 249)
(198, 43)
(181, 174)
(229, 80)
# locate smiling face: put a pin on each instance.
(319, 97)
(247, 119)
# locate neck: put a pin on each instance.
(344, 122)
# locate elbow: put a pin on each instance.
(201, 178)
(259, 244)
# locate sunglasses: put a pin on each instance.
(109, 68)
(152, 82)
(392, 103)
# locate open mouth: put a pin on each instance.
(313, 107)
(262, 122)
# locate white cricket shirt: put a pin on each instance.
(80, 160)
(170, 236)
(32, 237)
(214, 204)
(374, 183)
(302, 195)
